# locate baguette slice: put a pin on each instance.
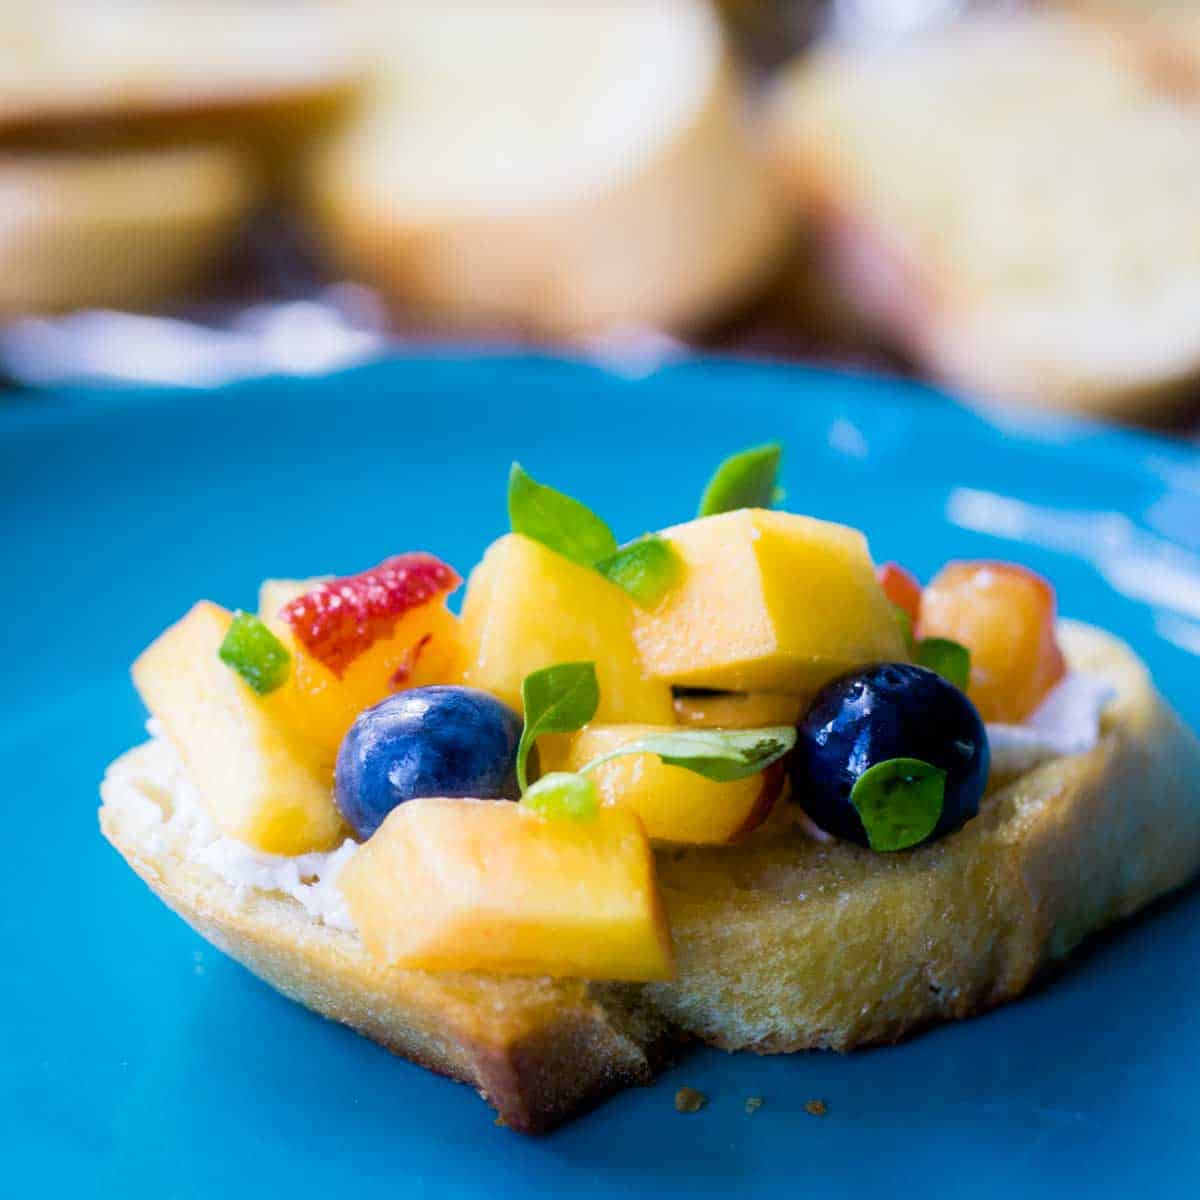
(538, 1050)
(783, 943)
(1011, 202)
(71, 62)
(127, 229)
(553, 169)
(1163, 34)
(786, 944)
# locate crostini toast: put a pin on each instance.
(783, 943)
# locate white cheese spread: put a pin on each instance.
(309, 879)
(1066, 722)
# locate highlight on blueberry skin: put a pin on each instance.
(926, 730)
(429, 741)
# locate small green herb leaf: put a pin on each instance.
(745, 480)
(950, 660)
(719, 754)
(899, 802)
(647, 569)
(255, 653)
(557, 521)
(563, 794)
(906, 628)
(557, 699)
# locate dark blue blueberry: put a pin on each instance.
(430, 741)
(891, 710)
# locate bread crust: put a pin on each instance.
(783, 943)
(127, 229)
(538, 1050)
(832, 946)
(170, 61)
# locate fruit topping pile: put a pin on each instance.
(510, 772)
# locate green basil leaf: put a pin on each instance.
(647, 569)
(950, 660)
(719, 754)
(906, 628)
(557, 699)
(255, 653)
(562, 794)
(745, 480)
(899, 802)
(557, 521)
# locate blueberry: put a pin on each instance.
(429, 741)
(891, 710)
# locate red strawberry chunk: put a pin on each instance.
(339, 620)
(901, 588)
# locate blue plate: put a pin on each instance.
(139, 1062)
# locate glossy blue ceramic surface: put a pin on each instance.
(138, 1062)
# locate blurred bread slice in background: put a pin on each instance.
(1165, 34)
(126, 229)
(1014, 202)
(554, 169)
(270, 76)
(136, 136)
(77, 62)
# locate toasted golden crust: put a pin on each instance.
(539, 1050)
(787, 944)
(73, 65)
(783, 943)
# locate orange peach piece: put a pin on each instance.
(1005, 615)
(675, 805)
(466, 885)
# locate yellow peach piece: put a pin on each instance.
(259, 785)
(674, 804)
(738, 710)
(463, 885)
(527, 607)
(768, 601)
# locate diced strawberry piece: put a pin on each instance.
(901, 588)
(339, 620)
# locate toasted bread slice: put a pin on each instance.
(783, 943)
(75, 62)
(117, 229)
(1163, 35)
(1011, 203)
(539, 1050)
(786, 944)
(553, 169)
